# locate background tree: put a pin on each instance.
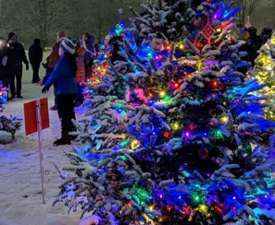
(248, 6)
(44, 18)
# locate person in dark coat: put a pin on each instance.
(4, 72)
(17, 56)
(88, 43)
(252, 45)
(63, 79)
(36, 57)
(116, 43)
(265, 35)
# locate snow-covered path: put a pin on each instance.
(20, 189)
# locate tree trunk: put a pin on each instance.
(43, 25)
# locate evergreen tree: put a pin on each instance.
(264, 71)
(9, 125)
(188, 147)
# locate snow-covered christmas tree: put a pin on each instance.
(264, 71)
(3, 96)
(182, 125)
(11, 124)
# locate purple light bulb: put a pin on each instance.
(187, 134)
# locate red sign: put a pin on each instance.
(34, 112)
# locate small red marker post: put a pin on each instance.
(36, 115)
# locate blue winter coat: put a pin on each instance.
(63, 78)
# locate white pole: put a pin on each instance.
(39, 129)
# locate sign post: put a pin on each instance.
(36, 119)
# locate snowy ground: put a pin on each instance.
(20, 190)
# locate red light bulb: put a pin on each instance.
(215, 85)
(176, 85)
(167, 134)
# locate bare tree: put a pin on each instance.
(248, 6)
(43, 22)
(44, 18)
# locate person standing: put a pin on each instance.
(17, 56)
(63, 78)
(88, 43)
(4, 72)
(35, 57)
(53, 57)
(52, 60)
(80, 73)
(265, 35)
(252, 45)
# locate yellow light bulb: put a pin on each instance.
(199, 65)
(181, 46)
(160, 219)
(151, 207)
(203, 209)
(224, 119)
(273, 40)
(135, 144)
(175, 126)
(162, 94)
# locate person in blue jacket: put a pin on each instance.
(63, 79)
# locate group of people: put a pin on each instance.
(67, 67)
(12, 57)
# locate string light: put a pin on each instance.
(203, 209)
(125, 142)
(215, 85)
(198, 200)
(167, 134)
(134, 144)
(218, 30)
(175, 126)
(162, 94)
(181, 46)
(199, 65)
(151, 207)
(218, 134)
(187, 134)
(224, 119)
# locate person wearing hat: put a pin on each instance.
(63, 79)
(17, 56)
(52, 59)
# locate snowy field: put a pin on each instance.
(20, 189)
